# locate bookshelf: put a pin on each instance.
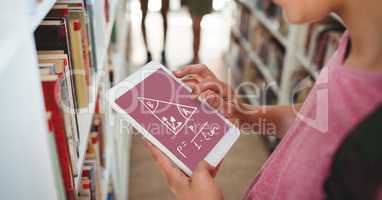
(291, 41)
(261, 66)
(25, 134)
(271, 26)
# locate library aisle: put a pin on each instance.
(61, 126)
(146, 181)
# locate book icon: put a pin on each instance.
(172, 115)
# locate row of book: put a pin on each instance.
(94, 164)
(95, 157)
(266, 8)
(93, 170)
(246, 74)
(274, 13)
(321, 41)
(66, 46)
(269, 51)
(262, 42)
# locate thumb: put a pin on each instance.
(204, 169)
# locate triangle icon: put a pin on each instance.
(150, 104)
(172, 115)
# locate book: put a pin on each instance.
(91, 178)
(52, 37)
(55, 66)
(59, 185)
(85, 189)
(74, 13)
(91, 32)
(185, 129)
(80, 73)
(51, 94)
(321, 41)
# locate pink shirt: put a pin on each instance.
(340, 99)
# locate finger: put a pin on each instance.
(204, 86)
(192, 80)
(177, 181)
(204, 170)
(216, 86)
(217, 168)
(192, 69)
(159, 158)
(196, 77)
(207, 94)
(226, 108)
(213, 99)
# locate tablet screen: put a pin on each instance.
(188, 128)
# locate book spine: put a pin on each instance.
(91, 30)
(50, 93)
(78, 63)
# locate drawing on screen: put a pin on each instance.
(174, 116)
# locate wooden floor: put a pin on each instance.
(235, 175)
(244, 160)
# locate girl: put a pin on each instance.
(348, 88)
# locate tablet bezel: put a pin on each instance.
(216, 154)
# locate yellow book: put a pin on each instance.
(79, 68)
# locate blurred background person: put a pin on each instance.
(164, 11)
(197, 8)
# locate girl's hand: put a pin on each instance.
(200, 186)
(216, 93)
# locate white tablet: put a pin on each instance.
(159, 106)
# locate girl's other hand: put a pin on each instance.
(204, 84)
(200, 186)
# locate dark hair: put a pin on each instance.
(356, 170)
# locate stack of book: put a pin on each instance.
(65, 41)
(90, 186)
(322, 41)
(270, 52)
(63, 125)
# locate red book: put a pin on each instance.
(51, 96)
